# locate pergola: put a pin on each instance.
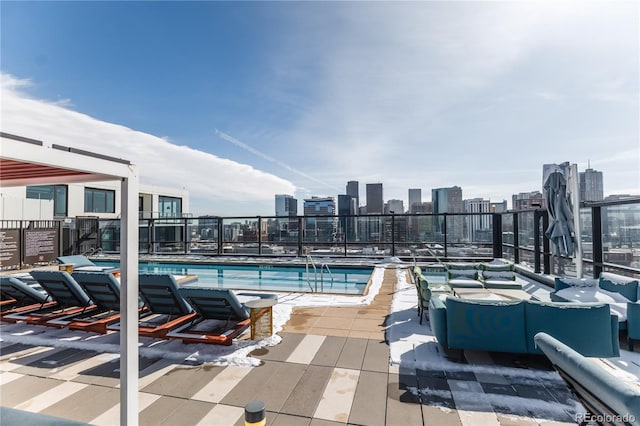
(26, 161)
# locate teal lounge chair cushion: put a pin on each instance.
(215, 303)
(62, 288)
(20, 291)
(160, 294)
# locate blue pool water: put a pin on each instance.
(351, 280)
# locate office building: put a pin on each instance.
(394, 206)
(375, 203)
(448, 200)
(286, 205)
(354, 192)
(346, 212)
(415, 197)
(591, 188)
(319, 228)
(478, 227)
(528, 201)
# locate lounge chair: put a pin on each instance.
(167, 308)
(221, 316)
(83, 263)
(64, 290)
(24, 297)
(104, 291)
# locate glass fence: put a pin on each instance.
(609, 232)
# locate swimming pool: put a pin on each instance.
(338, 279)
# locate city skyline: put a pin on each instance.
(240, 101)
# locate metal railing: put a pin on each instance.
(610, 237)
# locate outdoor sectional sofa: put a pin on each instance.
(607, 397)
(620, 292)
(510, 326)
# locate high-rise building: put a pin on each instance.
(528, 201)
(478, 227)
(353, 191)
(448, 200)
(591, 188)
(415, 196)
(346, 210)
(375, 203)
(322, 229)
(394, 206)
(499, 207)
(286, 205)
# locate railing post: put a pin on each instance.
(516, 239)
(300, 231)
(497, 235)
(546, 258)
(393, 234)
(259, 236)
(444, 235)
(185, 235)
(537, 215)
(220, 232)
(596, 232)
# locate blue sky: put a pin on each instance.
(242, 100)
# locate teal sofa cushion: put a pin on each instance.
(476, 324)
(594, 383)
(626, 286)
(565, 282)
(586, 327)
(498, 267)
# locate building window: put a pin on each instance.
(169, 206)
(57, 193)
(99, 200)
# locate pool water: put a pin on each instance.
(344, 280)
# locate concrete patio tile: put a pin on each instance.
(322, 422)
(271, 383)
(337, 312)
(23, 389)
(112, 416)
(222, 414)
(222, 384)
(376, 356)
(86, 404)
(367, 324)
(172, 411)
(370, 401)
(329, 352)
(352, 354)
(441, 416)
(403, 407)
(300, 322)
(281, 351)
(183, 382)
(328, 331)
(53, 361)
(39, 402)
(335, 322)
(306, 350)
(288, 420)
(305, 397)
(9, 376)
(335, 404)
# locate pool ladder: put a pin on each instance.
(323, 266)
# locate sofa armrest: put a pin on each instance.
(605, 392)
(633, 320)
(438, 319)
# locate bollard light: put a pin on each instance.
(254, 414)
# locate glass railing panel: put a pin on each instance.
(507, 228)
(319, 229)
(282, 230)
(621, 234)
(526, 229)
(242, 230)
(586, 231)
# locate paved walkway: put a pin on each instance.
(331, 368)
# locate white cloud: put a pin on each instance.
(216, 185)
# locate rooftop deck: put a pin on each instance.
(331, 367)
